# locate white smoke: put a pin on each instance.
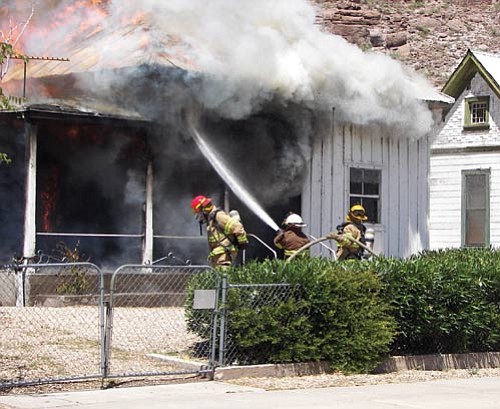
(134, 188)
(249, 52)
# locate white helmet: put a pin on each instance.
(295, 220)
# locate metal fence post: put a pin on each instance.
(20, 284)
(215, 315)
(222, 335)
(106, 340)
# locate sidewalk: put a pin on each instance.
(477, 393)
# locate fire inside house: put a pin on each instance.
(92, 182)
(102, 156)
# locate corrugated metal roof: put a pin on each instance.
(434, 95)
(102, 50)
(425, 92)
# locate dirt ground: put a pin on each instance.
(267, 383)
(40, 343)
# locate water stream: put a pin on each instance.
(231, 180)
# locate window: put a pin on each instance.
(477, 113)
(365, 190)
(476, 208)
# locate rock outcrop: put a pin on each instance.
(430, 36)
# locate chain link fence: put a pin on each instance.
(148, 329)
(255, 299)
(51, 323)
(71, 321)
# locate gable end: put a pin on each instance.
(464, 73)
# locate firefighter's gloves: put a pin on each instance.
(334, 236)
(242, 246)
(344, 240)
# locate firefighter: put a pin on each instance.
(226, 235)
(291, 238)
(354, 228)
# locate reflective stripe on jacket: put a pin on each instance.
(290, 241)
(224, 233)
(346, 248)
(354, 231)
(290, 253)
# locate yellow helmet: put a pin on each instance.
(357, 213)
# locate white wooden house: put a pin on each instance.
(381, 169)
(465, 158)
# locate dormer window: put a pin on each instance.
(477, 113)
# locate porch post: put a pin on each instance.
(29, 244)
(147, 248)
(29, 240)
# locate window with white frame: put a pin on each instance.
(477, 112)
(365, 190)
(476, 208)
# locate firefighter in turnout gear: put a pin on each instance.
(291, 238)
(353, 227)
(226, 234)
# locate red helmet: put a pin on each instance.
(199, 202)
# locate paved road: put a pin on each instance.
(474, 393)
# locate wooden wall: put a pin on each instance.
(446, 195)
(404, 165)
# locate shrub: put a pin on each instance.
(352, 313)
(74, 281)
(333, 312)
(444, 301)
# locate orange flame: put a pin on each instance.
(84, 15)
(49, 198)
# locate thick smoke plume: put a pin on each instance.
(246, 53)
(258, 70)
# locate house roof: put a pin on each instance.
(474, 62)
(434, 95)
(84, 110)
(102, 50)
(132, 45)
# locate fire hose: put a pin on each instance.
(331, 236)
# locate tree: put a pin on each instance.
(8, 42)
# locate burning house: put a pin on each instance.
(103, 158)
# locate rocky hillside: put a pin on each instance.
(432, 36)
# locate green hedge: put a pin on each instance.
(355, 313)
(338, 315)
(444, 301)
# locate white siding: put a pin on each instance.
(422, 186)
(404, 190)
(453, 135)
(446, 196)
